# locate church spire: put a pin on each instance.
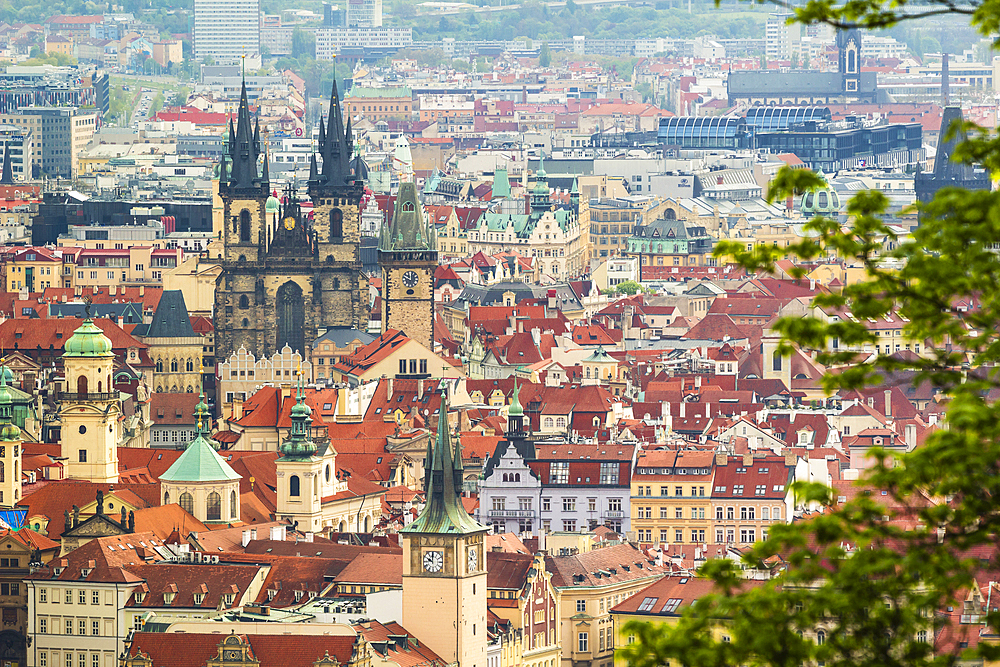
(7, 177)
(245, 149)
(443, 511)
(409, 229)
(299, 445)
(335, 145)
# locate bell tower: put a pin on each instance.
(408, 256)
(90, 408)
(10, 449)
(444, 569)
(299, 471)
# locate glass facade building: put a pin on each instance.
(768, 119)
(705, 132)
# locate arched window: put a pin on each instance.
(100, 387)
(587, 370)
(336, 225)
(820, 637)
(232, 505)
(159, 367)
(166, 497)
(408, 207)
(244, 301)
(214, 507)
(244, 226)
(852, 65)
(340, 527)
(187, 502)
(517, 477)
(560, 422)
(81, 384)
(548, 422)
(2, 472)
(189, 365)
(293, 486)
(246, 322)
(368, 524)
(173, 365)
(506, 477)
(765, 514)
(597, 422)
(776, 361)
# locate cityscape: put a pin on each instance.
(423, 334)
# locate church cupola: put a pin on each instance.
(540, 192)
(299, 444)
(515, 413)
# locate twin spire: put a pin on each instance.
(336, 147)
(239, 164)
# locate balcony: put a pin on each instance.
(80, 398)
(511, 514)
(614, 514)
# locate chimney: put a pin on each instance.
(665, 410)
(888, 403)
(275, 534)
(237, 408)
(682, 409)
(113, 290)
(790, 458)
(142, 291)
(721, 458)
(253, 533)
(420, 388)
(388, 391)
(309, 536)
(536, 336)
(812, 284)
(748, 459)
(911, 436)
(245, 538)
(697, 382)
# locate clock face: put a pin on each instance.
(473, 559)
(433, 561)
(410, 279)
(231, 655)
(289, 223)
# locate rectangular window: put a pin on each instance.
(591, 504)
(43, 659)
(402, 366)
(83, 459)
(95, 597)
(69, 659)
(43, 626)
(569, 504)
(663, 513)
(609, 472)
(43, 595)
(678, 512)
(546, 504)
(82, 659)
(82, 597)
(95, 660)
(678, 535)
(95, 628)
(582, 642)
(423, 367)
(69, 626)
(69, 596)
(679, 491)
(581, 605)
(83, 628)
(569, 525)
(559, 472)
(614, 504)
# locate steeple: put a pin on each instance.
(408, 230)
(244, 150)
(299, 445)
(515, 413)
(203, 422)
(574, 194)
(335, 145)
(7, 178)
(443, 511)
(540, 192)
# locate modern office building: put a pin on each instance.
(16, 142)
(59, 134)
(226, 30)
(364, 13)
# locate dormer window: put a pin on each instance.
(199, 598)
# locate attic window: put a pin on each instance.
(647, 604)
(328, 406)
(378, 410)
(379, 460)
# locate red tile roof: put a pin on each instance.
(199, 648)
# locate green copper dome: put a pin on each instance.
(299, 444)
(88, 341)
(823, 201)
(8, 430)
(272, 204)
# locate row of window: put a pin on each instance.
(746, 513)
(68, 661)
(77, 626)
(213, 504)
(605, 640)
(67, 596)
(696, 491)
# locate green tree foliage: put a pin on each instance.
(872, 586)
(50, 59)
(544, 55)
(534, 20)
(303, 43)
(628, 287)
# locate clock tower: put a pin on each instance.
(407, 253)
(444, 564)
